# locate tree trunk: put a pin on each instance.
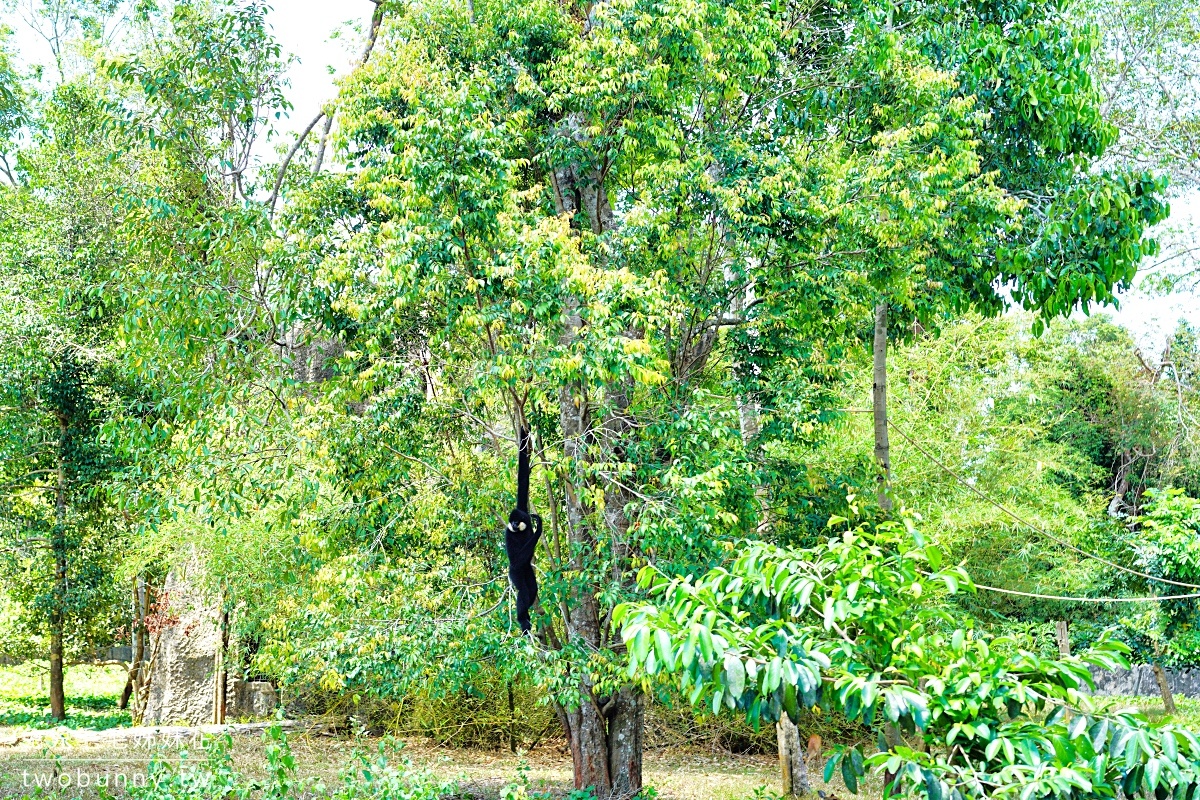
(58, 546)
(879, 408)
(891, 735)
(1062, 637)
(605, 732)
(58, 698)
(793, 760)
(512, 719)
(146, 674)
(883, 463)
(1120, 485)
(135, 661)
(220, 670)
(127, 692)
(626, 721)
(748, 420)
(1164, 689)
(606, 743)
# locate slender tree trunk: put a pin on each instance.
(58, 698)
(127, 692)
(1120, 485)
(891, 735)
(512, 719)
(748, 417)
(879, 408)
(58, 545)
(1063, 638)
(136, 647)
(221, 671)
(142, 699)
(140, 649)
(883, 464)
(1164, 689)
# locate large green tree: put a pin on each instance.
(604, 222)
(632, 226)
(59, 384)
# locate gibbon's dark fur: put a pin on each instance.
(521, 537)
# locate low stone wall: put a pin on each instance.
(1139, 681)
(250, 699)
(118, 653)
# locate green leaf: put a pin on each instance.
(831, 766)
(1153, 771)
(662, 644)
(848, 776)
(1169, 746)
(934, 556)
(735, 675)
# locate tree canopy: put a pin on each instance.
(655, 233)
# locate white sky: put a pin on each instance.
(326, 37)
(1152, 317)
(305, 28)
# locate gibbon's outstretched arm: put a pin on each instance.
(521, 537)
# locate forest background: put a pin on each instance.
(667, 238)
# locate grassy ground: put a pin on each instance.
(1187, 709)
(62, 768)
(91, 691)
(675, 775)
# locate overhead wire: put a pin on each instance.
(1038, 596)
(1071, 599)
(1039, 530)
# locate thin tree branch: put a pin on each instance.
(372, 37)
(287, 160)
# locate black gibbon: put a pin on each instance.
(521, 537)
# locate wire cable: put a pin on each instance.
(1088, 599)
(1068, 599)
(1039, 530)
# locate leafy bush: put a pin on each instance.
(855, 624)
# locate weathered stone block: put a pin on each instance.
(181, 683)
(251, 699)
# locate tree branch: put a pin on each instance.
(372, 37)
(287, 160)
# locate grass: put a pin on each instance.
(676, 773)
(546, 772)
(1187, 709)
(91, 697)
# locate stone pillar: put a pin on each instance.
(181, 683)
